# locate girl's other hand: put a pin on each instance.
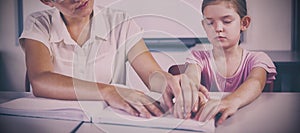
(216, 108)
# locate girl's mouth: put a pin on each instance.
(220, 38)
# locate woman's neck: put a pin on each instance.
(78, 28)
(75, 21)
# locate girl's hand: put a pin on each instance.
(224, 108)
(132, 101)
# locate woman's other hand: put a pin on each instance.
(132, 101)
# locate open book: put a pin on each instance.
(96, 112)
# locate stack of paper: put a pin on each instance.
(96, 112)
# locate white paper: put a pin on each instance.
(96, 112)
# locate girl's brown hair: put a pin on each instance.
(239, 5)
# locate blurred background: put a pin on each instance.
(274, 29)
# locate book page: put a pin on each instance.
(97, 112)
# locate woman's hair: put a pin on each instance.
(239, 5)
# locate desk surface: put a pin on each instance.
(271, 112)
(17, 124)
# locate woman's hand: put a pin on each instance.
(182, 88)
(213, 108)
(132, 101)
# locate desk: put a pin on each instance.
(270, 113)
(17, 124)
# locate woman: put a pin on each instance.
(77, 51)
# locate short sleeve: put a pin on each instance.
(201, 58)
(35, 28)
(135, 34)
(130, 33)
(264, 61)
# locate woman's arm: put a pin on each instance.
(245, 94)
(48, 84)
(155, 78)
(160, 81)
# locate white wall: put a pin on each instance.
(271, 27)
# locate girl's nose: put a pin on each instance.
(219, 27)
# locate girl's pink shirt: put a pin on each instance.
(250, 60)
(101, 59)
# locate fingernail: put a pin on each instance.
(220, 122)
(195, 108)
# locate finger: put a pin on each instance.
(187, 94)
(178, 106)
(210, 109)
(212, 114)
(128, 108)
(178, 109)
(168, 99)
(195, 98)
(224, 116)
(204, 90)
(174, 86)
(143, 111)
(154, 108)
(198, 113)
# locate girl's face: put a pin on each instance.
(74, 8)
(222, 24)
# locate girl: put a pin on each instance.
(228, 67)
(78, 51)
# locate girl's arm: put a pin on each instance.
(46, 83)
(245, 94)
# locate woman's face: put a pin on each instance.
(74, 8)
(222, 24)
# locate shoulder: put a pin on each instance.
(257, 56)
(42, 16)
(202, 51)
(200, 54)
(258, 59)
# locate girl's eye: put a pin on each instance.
(209, 22)
(227, 21)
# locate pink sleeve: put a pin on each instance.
(263, 60)
(198, 57)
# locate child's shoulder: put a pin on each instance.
(256, 55)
